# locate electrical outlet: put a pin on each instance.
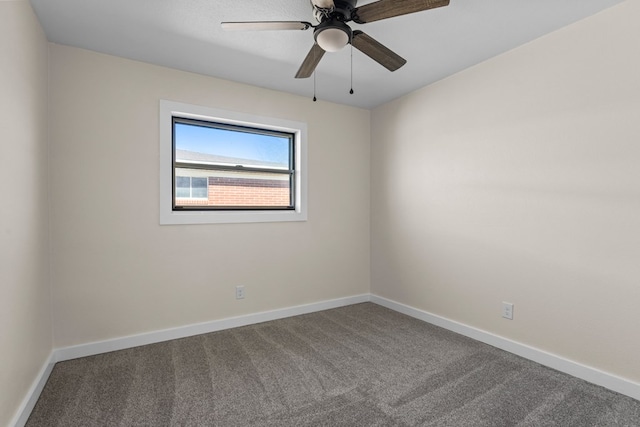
(239, 292)
(507, 310)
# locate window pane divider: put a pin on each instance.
(190, 165)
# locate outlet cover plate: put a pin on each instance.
(507, 310)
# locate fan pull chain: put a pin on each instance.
(351, 91)
(314, 87)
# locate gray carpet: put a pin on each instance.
(362, 365)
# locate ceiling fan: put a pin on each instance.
(332, 32)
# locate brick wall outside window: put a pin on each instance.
(227, 191)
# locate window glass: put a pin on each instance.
(198, 187)
(183, 186)
(232, 167)
(231, 145)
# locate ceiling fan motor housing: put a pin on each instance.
(342, 11)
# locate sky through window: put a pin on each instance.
(232, 143)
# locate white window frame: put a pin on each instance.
(170, 109)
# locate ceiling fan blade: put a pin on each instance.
(265, 25)
(384, 9)
(310, 62)
(323, 4)
(376, 51)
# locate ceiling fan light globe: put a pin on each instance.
(332, 39)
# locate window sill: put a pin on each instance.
(228, 217)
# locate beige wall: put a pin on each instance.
(519, 180)
(117, 272)
(25, 317)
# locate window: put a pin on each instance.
(231, 167)
(191, 187)
(219, 166)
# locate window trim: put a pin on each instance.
(168, 216)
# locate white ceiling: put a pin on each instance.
(186, 34)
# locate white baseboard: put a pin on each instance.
(90, 349)
(30, 400)
(559, 363)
